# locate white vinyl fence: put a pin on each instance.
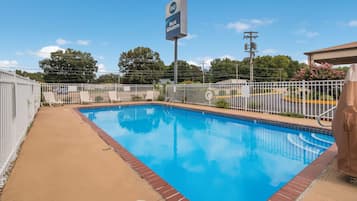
(20, 99)
(70, 93)
(299, 98)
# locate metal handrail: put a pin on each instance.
(322, 114)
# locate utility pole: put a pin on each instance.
(251, 48)
(203, 72)
(237, 77)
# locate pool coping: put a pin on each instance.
(292, 190)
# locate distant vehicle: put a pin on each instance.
(62, 90)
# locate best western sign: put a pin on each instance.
(176, 19)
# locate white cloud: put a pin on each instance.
(193, 63)
(352, 23)
(245, 25)
(83, 42)
(46, 51)
(269, 51)
(239, 26)
(62, 41)
(308, 34)
(207, 60)
(101, 68)
(227, 56)
(190, 36)
(201, 60)
(8, 63)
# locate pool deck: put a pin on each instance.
(63, 158)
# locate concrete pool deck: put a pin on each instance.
(63, 158)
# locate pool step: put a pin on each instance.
(298, 142)
(313, 141)
(323, 138)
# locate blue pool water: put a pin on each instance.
(211, 157)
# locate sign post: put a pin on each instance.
(176, 27)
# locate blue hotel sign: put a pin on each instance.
(176, 19)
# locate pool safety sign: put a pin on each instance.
(176, 19)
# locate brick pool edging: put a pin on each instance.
(168, 192)
(290, 191)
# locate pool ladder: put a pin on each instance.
(322, 114)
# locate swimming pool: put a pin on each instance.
(207, 156)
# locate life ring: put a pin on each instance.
(209, 95)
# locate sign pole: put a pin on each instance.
(175, 62)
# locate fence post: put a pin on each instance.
(304, 98)
(184, 93)
(209, 89)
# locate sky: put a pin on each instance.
(30, 30)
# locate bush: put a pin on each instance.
(221, 103)
(291, 114)
(98, 99)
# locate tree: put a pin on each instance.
(186, 72)
(222, 69)
(320, 72)
(141, 66)
(38, 76)
(107, 78)
(69, 66)
(280, 67)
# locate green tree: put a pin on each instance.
(280, 67)
(38, 76)
(222, 69)
(107, 78)
(186, 72)
(69, 66)
(141, 66)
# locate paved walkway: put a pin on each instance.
(63, 159)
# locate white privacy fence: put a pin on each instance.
(20, 99)
(295, 98)
(70, 93)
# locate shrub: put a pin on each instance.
(221, 103)
(321, 72)
(98, 99)
(291, 114)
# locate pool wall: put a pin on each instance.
(291, 191)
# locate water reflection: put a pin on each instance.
(209, 157)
